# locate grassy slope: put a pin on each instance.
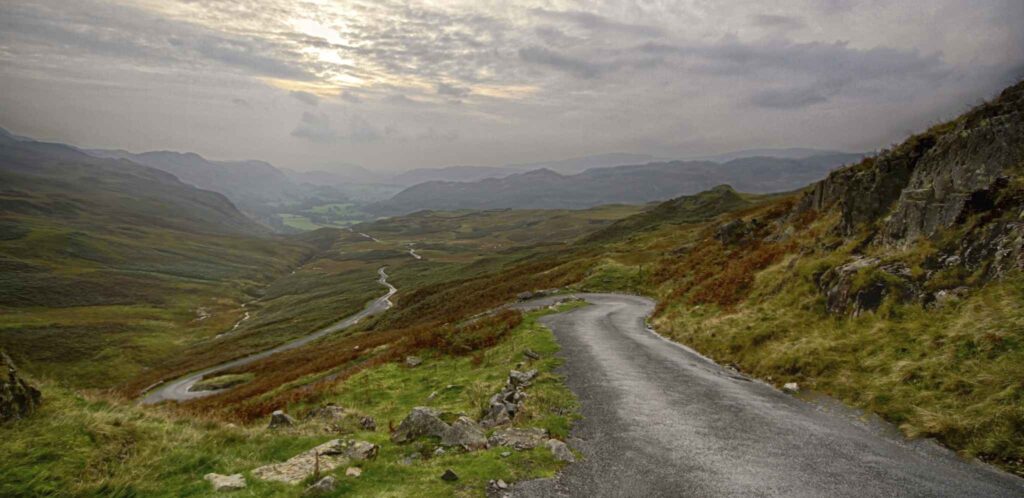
(85, 446)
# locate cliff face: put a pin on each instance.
(959, 186)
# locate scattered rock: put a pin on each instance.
(521, 379)
(497, 489)
(449, 476)
(506, 454)
(519, 438)
(223, 483)
(368, 424)
(328, 413)
(353, 472)
(439, 452)
(561, 451)
(17, 398)
(280, 419)
(496, 416)
(946, 296)
(421, 421)
(734, 231)
(525, 296)
(326, 484)
(466, 433)
(361, 450)
(413, 361)
(791, 387)
(410, 458)
(323, 458)
(531, 354)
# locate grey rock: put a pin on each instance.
(323, 458)
(560, 451)
(449, 475)
(497, 489)
(518, 379)
(531, 354)
(18, 399)
(734, 232)
(519, 438)
(280, 419)
(496, 416)
(413, 361)
(466, 433)
(222, 483)
(791, 387)
(421, 421)
(362, 450)
(368, 424)
(325, 484)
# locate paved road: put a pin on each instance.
(179, 389)
(661, 420)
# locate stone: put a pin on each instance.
(466, 433)
(223, 483)
(525, 296)
(362, 450)
(421, 421)
(496, 416)
(531, 354)
(734, 232)
(413, 361)
(326, 484)
(368, 424)
(439, 452)
(521, 379)
(791, 387)
(323, 458)
(506, 454)
(328, 413)
(353, 472)
(561, 451)
(449, 475)
(497, 489)
(280, 419)
(519, 438)
(18, 399)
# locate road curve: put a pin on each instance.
(178, 389)
(661, 420)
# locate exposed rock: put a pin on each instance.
(531, 354)
(368, 424)
(353, 472)
(17, 398)
(449, 475)
(361, 450)
(421, 421)
(466, 433)
(497, 415)
(519, 438)
(561, 451)
(413, 361)
(791, 387)
(947, 296)
(734, 232)
(280, 419)
(439, 452)
(328, 413)
(506, 454)
(497, 489)
(521, 379)
(223, 483)
(326, 484)
(323, 458)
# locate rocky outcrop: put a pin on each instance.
(421, 421)
(560, 451)
(18, 399)
(519, 438)
(465, 433)
(322, 486)
(861, 284)
(736, 231)
(340, 420)
(505, 404)
(962, 172)
(222, 483)
(280, 419)
(323, 458)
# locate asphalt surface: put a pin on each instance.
(661, 420)
(179, 389)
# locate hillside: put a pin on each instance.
(547, 189)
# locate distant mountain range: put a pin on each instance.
(547, 189)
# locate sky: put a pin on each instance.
(313, 84)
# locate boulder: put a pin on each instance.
(734, 232)
(449, 475)
(421, 421)
(497, 415)
(323, 458)
(413, 361)
(466, 433)
(368, 424)
(531, 354)
(497, 489)
(280, 419)
(17, 398)
(517, 379)
(326, 484)
(561, 451)
(791, 387)
(519, 438)
(361, 450)
(353, 472)
(223, 483)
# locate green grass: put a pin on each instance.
(86, 446)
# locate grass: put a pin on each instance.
(83, 445)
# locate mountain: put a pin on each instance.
(547, 189)
(247, 183)
(340, 176)
(580, 164)
(784, 153)
(452, 174)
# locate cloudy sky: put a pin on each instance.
(392, 85)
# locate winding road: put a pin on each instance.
(661, 420)
(179, 389)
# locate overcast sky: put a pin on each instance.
(313, 84)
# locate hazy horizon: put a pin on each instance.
(393, 87)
